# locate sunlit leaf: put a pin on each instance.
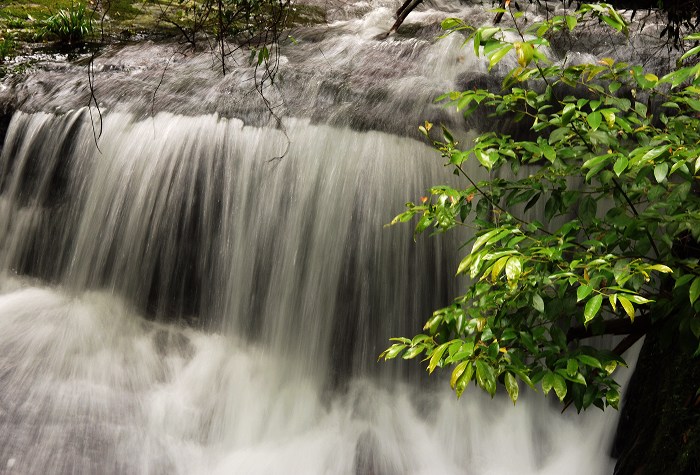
(486, 377)
(511, 387)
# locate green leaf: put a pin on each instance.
(613, 397)
(594, 119)
(524, 51)
(559, 387)
(660, 172)
(413, 352)
(485, 377)
(481, 240)
(641, 109)
(393, 351)
(498, 55)
(691, 52)
(592, 307)
(450, 23)
(420, 339)
(582, 292)
(486, 158)
(464, 380)
(609, 116)
(512, 387)
(498, 267)
(683, 280)
(548, 152)
(514, 268)
(661, 268)
(595, 162)
(638, 299)
(457, 372)
(547, 382)
(538, 303)
(589, 361)
(436, 357)
(559, 135)
(464, 264)
(620, 165)
(694, 290)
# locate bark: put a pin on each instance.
(403, 12)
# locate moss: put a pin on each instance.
(125, 9)
(306, 15)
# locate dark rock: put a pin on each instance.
(658, 430)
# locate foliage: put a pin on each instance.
(69, 26)
(234, 24)
(239, 19)
(612, 155)
(7, 46)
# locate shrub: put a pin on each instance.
(69, 26)
(7, 47)
(618, 250)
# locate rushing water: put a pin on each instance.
(178, 299)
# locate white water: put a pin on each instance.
(180, 301)
(298, 281)
(89, 387)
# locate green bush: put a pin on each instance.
(69, 26)
(614, 155)
(7, 46)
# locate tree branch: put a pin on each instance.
(639, 327)
(403, 12)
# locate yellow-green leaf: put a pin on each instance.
(464, 264)
(498, 267)
(627, 305)
(661, 268)
(486, 377)
(483, 238)
(464, 380)
(457, 372)
(498, 55)
(560, 387)
(436, 357)
(512, 387)
(513, 268)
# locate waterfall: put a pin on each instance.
(199, 291)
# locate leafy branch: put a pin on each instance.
(622, 159)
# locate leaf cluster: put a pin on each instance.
(595, 231)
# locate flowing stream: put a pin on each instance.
(199, 291)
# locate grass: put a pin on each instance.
(24, 23)
(24, 15)
(69, 26)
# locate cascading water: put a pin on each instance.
(182, 300)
